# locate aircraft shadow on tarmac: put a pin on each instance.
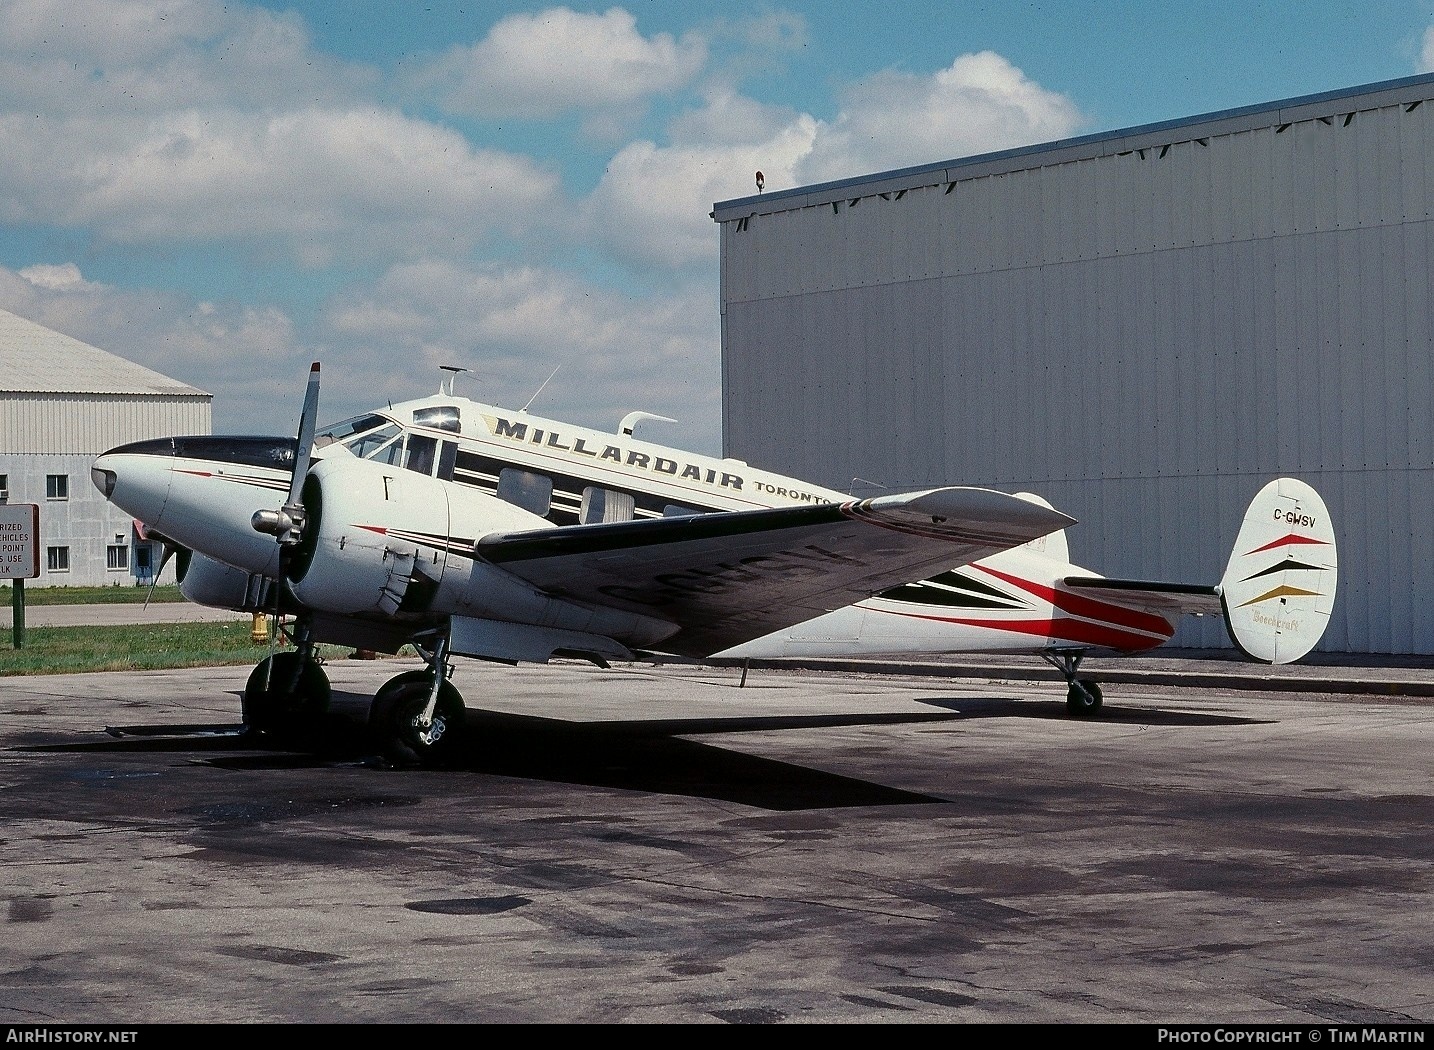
(651, 755)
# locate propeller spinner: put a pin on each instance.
(286, 523)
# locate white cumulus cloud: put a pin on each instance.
(559, 60)
(980, 104)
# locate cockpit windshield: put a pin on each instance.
(348, 428)
(383, 444)
(375, 438)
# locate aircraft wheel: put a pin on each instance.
(1084, 697)
(381, 709)
(396, 708)
(292, 705)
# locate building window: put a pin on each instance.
(58, 558)
(117, 556)
(57, 486)
(4, 488)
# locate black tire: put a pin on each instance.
(398, 704)
(293, 703)
(380, 709)
(1083, 699)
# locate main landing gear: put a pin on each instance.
(1083, 695)
(287, 694)
(416, 718)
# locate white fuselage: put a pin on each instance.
(201, 494)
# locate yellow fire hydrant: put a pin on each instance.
(259, 631)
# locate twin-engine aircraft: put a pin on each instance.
(461, 528)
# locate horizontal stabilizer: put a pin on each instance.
(1163, 598)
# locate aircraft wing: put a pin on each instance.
(725, 578)
(1161, 598)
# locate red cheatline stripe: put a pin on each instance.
(1063, 628)
(1091, 608)
(238, 479)
(1289, 541)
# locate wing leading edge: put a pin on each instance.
(726, 578)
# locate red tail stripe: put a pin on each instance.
(1092, 608)
(1289, 541)
(1063, 629)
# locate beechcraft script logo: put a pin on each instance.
(1286, 545)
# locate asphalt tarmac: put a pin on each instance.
(686, 844)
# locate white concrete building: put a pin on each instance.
(1142, 326)
(62, 403)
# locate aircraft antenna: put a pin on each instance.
(446, 386)
(852, 490)
(540, 388)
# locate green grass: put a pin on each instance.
(73, 650)
(92, 595)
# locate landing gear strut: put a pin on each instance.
(417, 717)
(1083, 695)
(287, 694)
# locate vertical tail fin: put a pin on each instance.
(1278, 589)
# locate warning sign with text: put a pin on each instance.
(19, 541)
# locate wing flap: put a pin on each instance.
(725, 578)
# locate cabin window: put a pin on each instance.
(676, 510)
(57, 486)
(447, 457)
(440, 417)
(605, 505)
(532, 492)
(57, 559)
(421, 453)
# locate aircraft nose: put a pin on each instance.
(103, 478)
(136, 484)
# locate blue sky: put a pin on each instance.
(226, 191)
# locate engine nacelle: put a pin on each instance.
(219, 586)
(382, 542)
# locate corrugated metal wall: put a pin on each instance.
(61, 434)
(65, 423)
(1143, 329)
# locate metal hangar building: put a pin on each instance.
(1142, 326)
(62, 403)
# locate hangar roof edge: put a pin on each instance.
(39, 360)
(1401, 90)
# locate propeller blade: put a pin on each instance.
(166, 551)
(306, 441)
